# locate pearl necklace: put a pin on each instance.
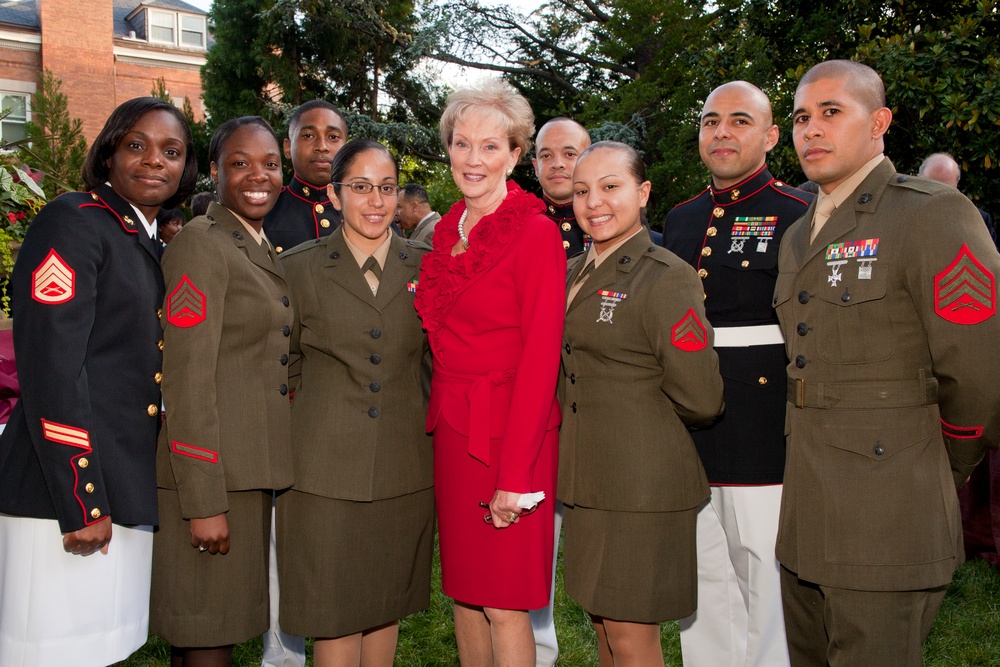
(461, 229)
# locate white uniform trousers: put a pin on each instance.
(739, 621)
(280, 649)
(542, 620)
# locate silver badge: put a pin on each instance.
(608, 304)
(762, 245)
(737, 246)
(865, 268)
(835, 275)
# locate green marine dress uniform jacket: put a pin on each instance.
(357, 422)
(890, 325)
(638, 368)
(227, 323)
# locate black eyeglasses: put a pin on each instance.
(385, 190)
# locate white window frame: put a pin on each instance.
(178, 20)
(5, 91)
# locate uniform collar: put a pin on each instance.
(558, 211)
(742, 190)
(308, 191)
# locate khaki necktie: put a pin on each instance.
(824, 209)
(371, 266)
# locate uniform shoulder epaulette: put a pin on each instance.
(574, 261)
(662, 255)
(919, 184)
(790, 191)
(419, 245)
(302, 247)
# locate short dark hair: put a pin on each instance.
(200, 202)
(416, 192)
(168, 214)
(350, 152)
(227, 129)
(862, 81)
(636, 167)
(296, 116)
(121, 121)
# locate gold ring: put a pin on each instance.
(512, 517)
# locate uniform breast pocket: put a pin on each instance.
(854, 326)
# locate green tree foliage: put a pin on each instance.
(54, 143)
(639, 71)
(160, 90)
(272, 55)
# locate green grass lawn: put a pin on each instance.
(966, 634)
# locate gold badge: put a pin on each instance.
(319, 208)
(324, 223)
(552, 210)
(719, 212)
(128, 221)
(566, 227)
(305, 191)
(706, 251)
(702, 273)
(712, 231)
(735, 195)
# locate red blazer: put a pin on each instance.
(494, 318)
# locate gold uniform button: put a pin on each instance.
(159, 313)
(706, 251)
(762, 380)
(745, 263)
(96, 513)
(83, 463)
(566, 227)
(94, 196)
(159, 344)
(305, 191)
(702, 273)
(718, 211)
(152, 410)
(158, 378)
(712, 231)
(319, 208)
(278, 248)
(89, 488)
(324, 223)
(565, 245)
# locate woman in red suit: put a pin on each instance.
(492, 298)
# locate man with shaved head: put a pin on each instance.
(887, 300)
(730, 233)
(557, 146)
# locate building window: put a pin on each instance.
(12, 125)
(193, 31)
(176, 29)
(161, 27)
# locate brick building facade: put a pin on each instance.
(104, 51)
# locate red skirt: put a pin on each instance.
(504, 568)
